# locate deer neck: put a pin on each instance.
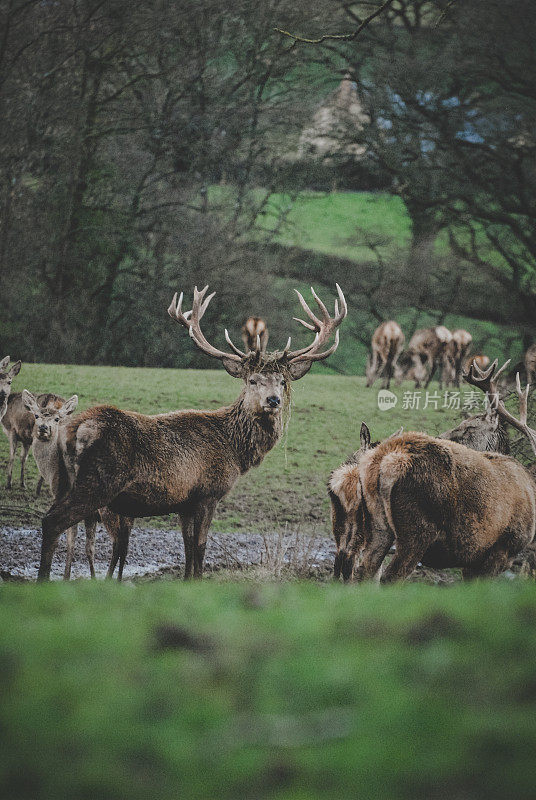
(252, 435)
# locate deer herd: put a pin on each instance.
(456, 500)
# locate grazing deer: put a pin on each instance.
(253, 327)
(6, 379)
(427, 346)
(442, 504)
(455, 352)
(530, 362)
(411, 368)
(387, 343)
(185, 461)
(18, 425)
(48, 439)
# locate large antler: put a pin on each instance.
(323, 327)
(486, 380)
(191, 320)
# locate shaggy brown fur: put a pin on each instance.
(441, 503)
(185, 461)
(427, 348)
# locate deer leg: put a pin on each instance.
(388, 373)
(69, 510)
(187, 522)
(90, 524)
(13, 441)
(373, 554)
(431, 375)
(124, 537)
(202, 520)
(23, 457)
(71, 538)
(39, 486)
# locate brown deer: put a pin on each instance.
(427, 348)
(442, 504)
(47, 448)
(253, 327)
(18, 424)
(453, 358)
(185, 461)
(387, 344)
(530, 363)
(6, 379)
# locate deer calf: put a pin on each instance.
(441, 503)
(252, 328)
(47, 448)
(18, 424)
(387, 344)
(6, 379)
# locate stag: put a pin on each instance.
(185, 461)
(387, 344)
(253, 327)
(6, 379)
(441, 503)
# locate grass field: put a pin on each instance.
(289, 486)
(298, 691)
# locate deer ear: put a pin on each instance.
(29, 401)
(364, 437)
(69, 406)
(234, 368)
(15, 369)
(4, 362)
(396, 433)
(297, 369)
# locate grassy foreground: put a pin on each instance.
(290, 485)
(299, 691)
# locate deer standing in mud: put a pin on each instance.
(253, 327)
(6, 379)
(185, 461)
(48, 438)
(442, 504)
(387, 343)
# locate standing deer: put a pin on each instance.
(453, 358)
(185, 461)
(18, 424)
(387, 344)
(253, 327)
(6, 379)
(442, 504)
(48, 438)
(530, 362)
(427, 347)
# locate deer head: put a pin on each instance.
(47, 420)
(266, 376)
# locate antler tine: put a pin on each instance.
(321, 306)
(257, 344)
(323, 328)
(287, 346)
(190, 319)
(233, 346)
(316, 322)
(309, 356)
(523, 397)
(305, 324)
(342, 300)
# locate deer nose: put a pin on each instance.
(273, 401)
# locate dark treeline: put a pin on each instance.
(141, 145)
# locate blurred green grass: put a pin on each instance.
(298, 691)
(290, 484)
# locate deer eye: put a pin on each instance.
(252, 382)
(56, 419)
(36, 416)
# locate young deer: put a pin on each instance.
(443, 504)
(6, 379)
(253, 327)
(18, 424)
(47, 448)
(387, 343)
(184, 461)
